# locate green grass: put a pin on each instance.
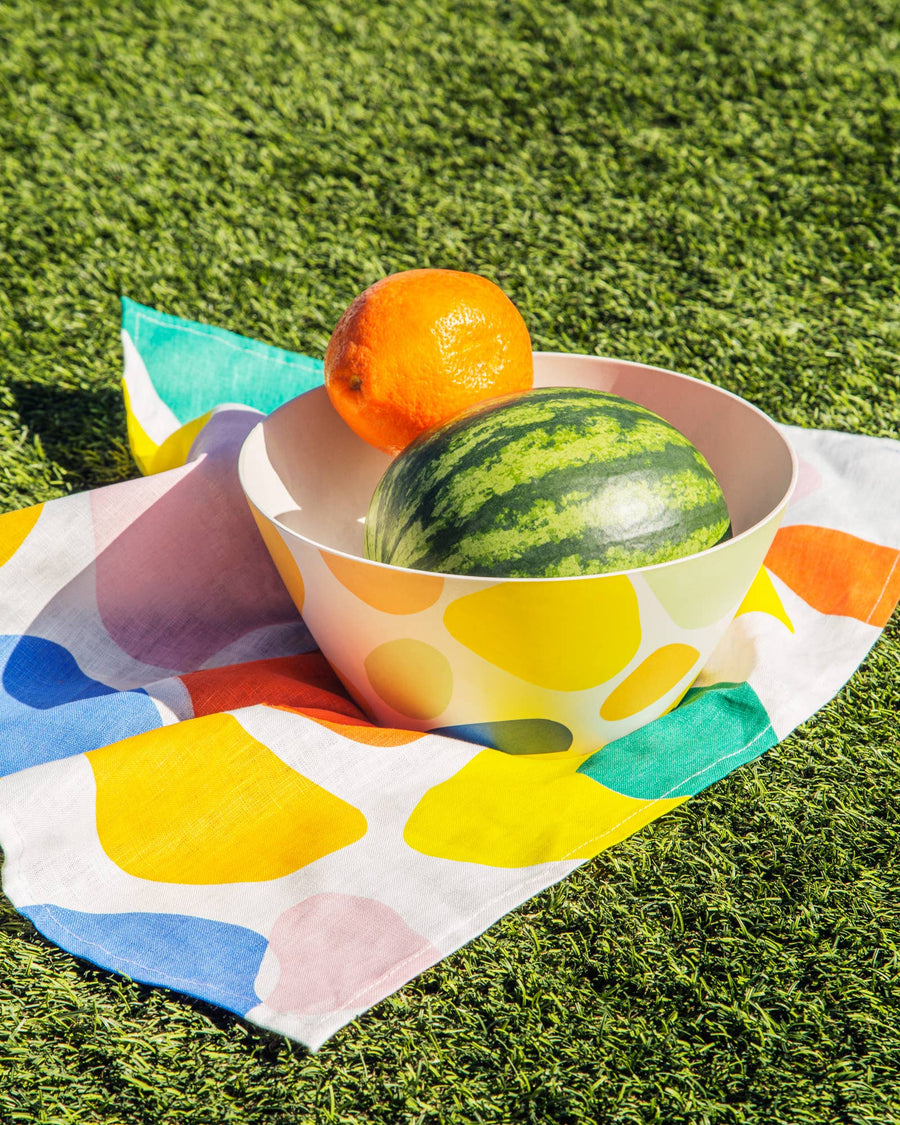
(707, 185)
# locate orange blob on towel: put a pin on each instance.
(837, 573)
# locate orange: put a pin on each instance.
(417, 347)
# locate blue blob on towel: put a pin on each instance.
(50, 709)
(214, 961)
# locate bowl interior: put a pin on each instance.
(304, 467)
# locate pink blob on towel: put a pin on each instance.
(809, 480)
(339, 952)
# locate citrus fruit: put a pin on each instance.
(417, 347)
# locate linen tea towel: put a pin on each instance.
(190, 797)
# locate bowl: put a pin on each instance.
(526, 665)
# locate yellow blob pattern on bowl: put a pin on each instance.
(588, 631)
(285, 563)
(410, 676)
(656, 675)
(498, 661)
(389, 591)
(525, 667)
(706, 591)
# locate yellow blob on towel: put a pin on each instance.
(505, 810)
(204, 802)
(15, 527)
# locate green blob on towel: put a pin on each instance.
(715, 730)
(194, 367)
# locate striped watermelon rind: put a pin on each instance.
(552, 482)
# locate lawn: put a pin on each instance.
(706, 185)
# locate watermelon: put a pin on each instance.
(551, 482)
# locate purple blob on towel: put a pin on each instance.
(182, 571)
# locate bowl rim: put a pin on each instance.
(780, 507)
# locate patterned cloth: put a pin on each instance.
(190, 798)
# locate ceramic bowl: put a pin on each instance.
(527, 665)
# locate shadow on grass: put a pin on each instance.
(80, 430)
(12, 923)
